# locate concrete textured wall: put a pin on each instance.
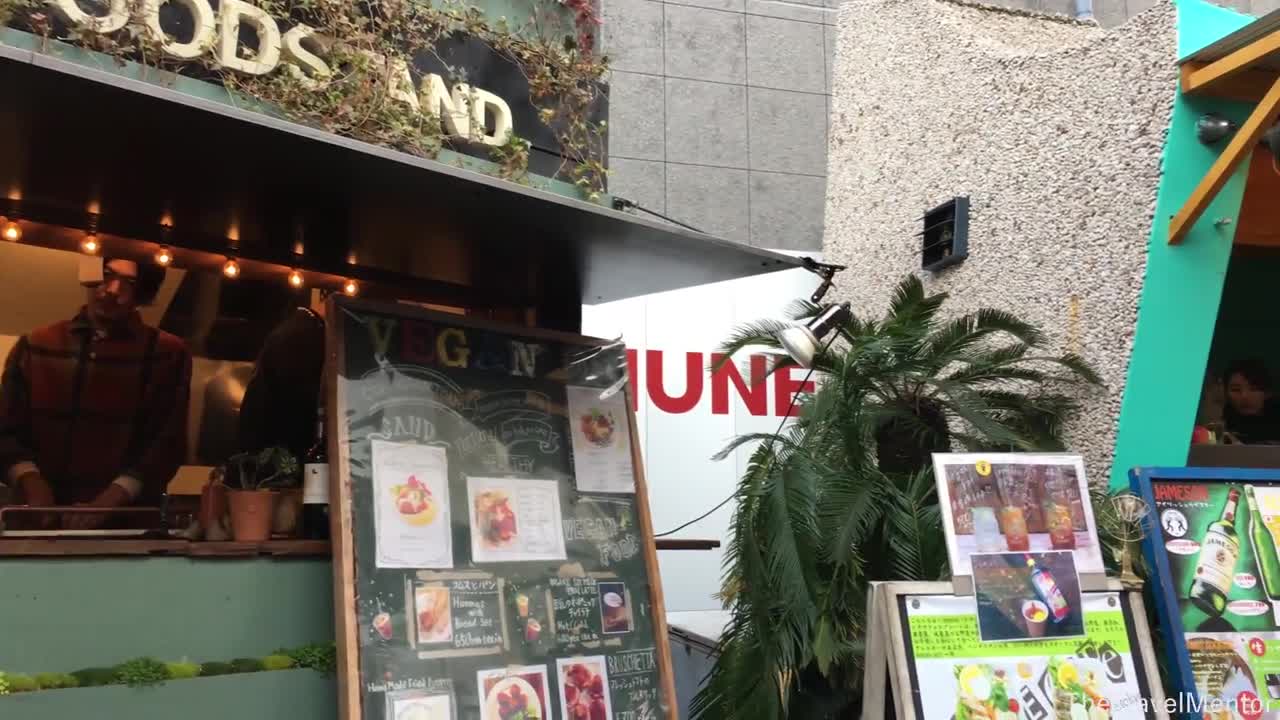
(718, 113)
(1054, 129)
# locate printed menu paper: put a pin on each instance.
(584, 688)
(1094, 678)
(514, 692)
(601, 441)
(411, 508)
(515, 520)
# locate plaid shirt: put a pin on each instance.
(88, 408)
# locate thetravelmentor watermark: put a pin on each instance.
(1246, 705)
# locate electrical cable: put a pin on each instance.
(776, 433)
(621, 203)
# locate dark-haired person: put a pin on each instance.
(1251, 415)
(93, 410)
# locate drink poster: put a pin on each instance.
(478, 577)
(1016, 502)
(1027, 596)
(1091, 678)
(1217, 542)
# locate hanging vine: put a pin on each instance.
(364, 42)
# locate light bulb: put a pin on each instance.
(90, 244)
(164, 256)
(231, 268)
(12, 231)
(350, 288)
(295, 279)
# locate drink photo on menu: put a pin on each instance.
(1016, 502)
(1027, 596)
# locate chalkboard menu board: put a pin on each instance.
(494, 556)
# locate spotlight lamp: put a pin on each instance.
(10, 230)
(295, 279)
(350, 288)
(231, 268)
(164, 256)
(1213, 128)
(90, 244)
(802, 342)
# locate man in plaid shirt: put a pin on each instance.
(93, 410)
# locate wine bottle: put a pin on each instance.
(1046, 586)
(1264, 546)
(1216, 566)
(315, 487)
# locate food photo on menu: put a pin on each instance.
(1027, 596)
(615, 608)
(1014, 502)
(411, 511)
(584, 688)
(601, 441)
(418, 705)
(516, 693)
(433, 613)
(515, 520)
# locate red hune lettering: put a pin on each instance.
(692, 384)
(1180, 492)
(784, 387)
(755, 395)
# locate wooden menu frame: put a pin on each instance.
(886, 650)
(346, 616)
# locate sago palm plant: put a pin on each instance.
(846, 494)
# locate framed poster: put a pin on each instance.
(476, 575)
(939, 669)
(1211, 543)
(1016, 502)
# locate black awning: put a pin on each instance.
(71, 135)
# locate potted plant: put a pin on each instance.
(252, 481)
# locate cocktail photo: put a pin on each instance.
(1016, 503)
(1027, 596)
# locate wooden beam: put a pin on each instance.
(1249, 86)
(1231, 65)
(1238, 149)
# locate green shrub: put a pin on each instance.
(53, 681)
(277, 662)
(22, 683)
(321, 657)
(182, 670)
(247, 665)
(4, 684)
(95, 677)
(141, 671)
(212, 669)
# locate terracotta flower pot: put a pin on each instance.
(252, 514)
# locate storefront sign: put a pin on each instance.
(465, 112)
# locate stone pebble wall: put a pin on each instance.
(1053, 128)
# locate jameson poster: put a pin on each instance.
(1090, 678)
(1221, 542)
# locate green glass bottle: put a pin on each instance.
(1216, 566)
(1264, 547)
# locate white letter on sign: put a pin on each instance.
(484, 103)
(452, 108)
(202, 18)
(268, 54)
(116, 18)
(299, 57)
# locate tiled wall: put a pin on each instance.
(718, 116)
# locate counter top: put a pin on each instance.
(79, 547)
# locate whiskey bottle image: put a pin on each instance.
(1264, 547)
(1216, 565)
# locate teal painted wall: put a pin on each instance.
(66, 614)
(1183, 286)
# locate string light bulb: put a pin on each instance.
(231, 268)
(90, 244)
(295, 279)
(11, 231)
(350, 288)
(164, 256)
